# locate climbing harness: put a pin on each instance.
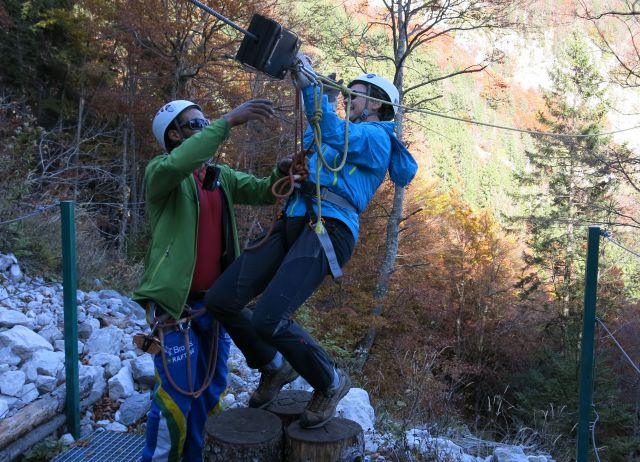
(153, 342)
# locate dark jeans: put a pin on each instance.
(286, 270)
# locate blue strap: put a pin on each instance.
(327, 246)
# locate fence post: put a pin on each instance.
(69, 283)
(586, 348)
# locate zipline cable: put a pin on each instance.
(345, 90)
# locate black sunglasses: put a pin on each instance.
(195, 124)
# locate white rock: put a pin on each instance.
(66, 439)
(47, 291)
(121, 385)
(111, 363)
(12, 382)
(59, 345)
(15, 272)
(96, 375)
(126, 344)
(8, 357)
(4, 408)
(46, 384)
(86, 328)
(29, 393)
(228, 400)
(45, 319)
(115, 427)
(437, 448)
(4, 293)
(537, 459)
(105, 340)
(48, 362)
(134, 408)
(51, 334)
(103, 423)
(509, 454)
(10, 318)
(34, 305)
(143, 369)
(23, 342)
(129, 355)
(357, 407)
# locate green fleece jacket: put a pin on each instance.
(173, 209)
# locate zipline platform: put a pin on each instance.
(104, 446)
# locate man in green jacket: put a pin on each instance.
(194, 238)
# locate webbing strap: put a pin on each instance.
(308, 188)
(327, 246)
(323, 237)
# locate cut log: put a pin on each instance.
(340, 440)
(289, 404)
(243, 435)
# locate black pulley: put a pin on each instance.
(271, 50)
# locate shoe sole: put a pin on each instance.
(263, 405)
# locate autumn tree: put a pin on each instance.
(395, 38)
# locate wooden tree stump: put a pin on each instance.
(289, 405)
(243, 435)
(340, 440)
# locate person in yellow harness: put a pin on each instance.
(193, 240)
(288, 267)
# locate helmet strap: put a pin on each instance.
(365, 112)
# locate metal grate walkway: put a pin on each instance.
(105, 446)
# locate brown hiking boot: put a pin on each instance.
(271, 383)
(323, 405)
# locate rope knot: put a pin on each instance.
(317, 115)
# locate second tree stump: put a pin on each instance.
(289, 404)
(340, 440)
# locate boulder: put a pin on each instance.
(121, 384)
(105, 340)
(509, 454)
(10, 318)
(12, 382)
(111, 363)
(133, 408)
(143, 369)
(23, 342)
(357, 407)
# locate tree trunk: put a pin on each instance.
(393, 223)
(340, 440)
(289, 405)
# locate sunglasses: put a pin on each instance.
(195, 124)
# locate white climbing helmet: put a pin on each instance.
(165, 116)
(383, 84)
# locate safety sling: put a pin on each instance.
(308, 190)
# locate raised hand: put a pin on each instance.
(254, 109)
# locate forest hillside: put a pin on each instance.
(462, 305)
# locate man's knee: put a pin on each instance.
(265, 327)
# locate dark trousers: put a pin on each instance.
(286, 270)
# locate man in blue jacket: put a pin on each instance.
(292, 263)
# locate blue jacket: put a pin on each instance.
(373, 149)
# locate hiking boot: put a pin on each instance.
(323, 405)
(271, 383)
